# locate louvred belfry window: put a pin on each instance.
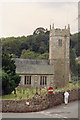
(59, 42)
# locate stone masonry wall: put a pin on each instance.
(59, 55)
(59, 72)
(35, 81)
(39, 103)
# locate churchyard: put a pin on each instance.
(25, 93)
(21, 93)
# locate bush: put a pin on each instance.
(10, 79)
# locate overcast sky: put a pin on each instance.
(22, 18)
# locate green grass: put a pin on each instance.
(24, 96)
(73, 85)
(11, 96)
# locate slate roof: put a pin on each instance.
(30, 66)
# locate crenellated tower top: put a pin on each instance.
(60, 32)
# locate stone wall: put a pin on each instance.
(39, 103)
(35, 81)
(61, 77)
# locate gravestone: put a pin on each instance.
(20, 96)
(27, 95)
(23, 91)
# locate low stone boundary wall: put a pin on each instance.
(38, 102)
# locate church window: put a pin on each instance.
(59, 42)
(25, 80)
(28, 80)
(43, 80)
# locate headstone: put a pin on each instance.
(27, 95)
(32, 92)
(20, 90)
(23, 91)
(20, 96)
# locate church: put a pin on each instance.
(45, 73)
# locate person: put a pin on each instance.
(66, 95)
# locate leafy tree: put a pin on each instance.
(27, 54)
(10, 79)
(78, 51)
(38, 43)
(39, 30)
(73, 64)
(75, 43)
(44, 56)
(79, 71)
(9, 44)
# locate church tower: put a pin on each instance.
(59, 54)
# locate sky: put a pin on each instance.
(22, 18)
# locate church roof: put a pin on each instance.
(30, 66)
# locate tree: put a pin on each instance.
(79, 71)
(27, 54)
(73, 64)
(75, 43)
(10, 79)
(8, 46)
(39, 30)
(40, 43)
(44, 56)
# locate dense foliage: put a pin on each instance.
(10, 79)
(36, 46)
(73, 62)
(74, 53)
(38, 43)
(75, 43)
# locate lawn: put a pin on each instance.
(21, 93)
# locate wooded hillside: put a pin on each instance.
(36, 46)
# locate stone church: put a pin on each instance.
(45, 73)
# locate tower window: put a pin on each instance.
(59, 42)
